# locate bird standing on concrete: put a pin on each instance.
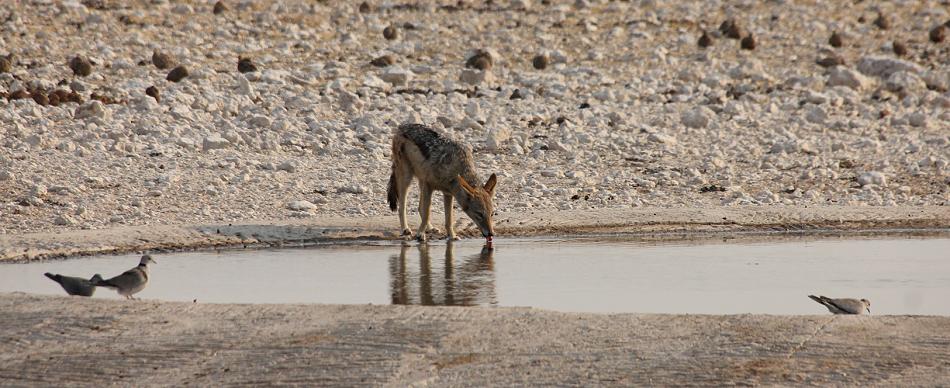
(844, 305)
(74, 285)
(132, 281)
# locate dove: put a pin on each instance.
(844, 305)
(132, 281)
(74, 285)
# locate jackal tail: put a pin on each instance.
(391, 194)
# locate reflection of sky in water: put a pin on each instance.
(899, 276)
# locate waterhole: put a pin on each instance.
(899, 275)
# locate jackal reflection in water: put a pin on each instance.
(470, 283)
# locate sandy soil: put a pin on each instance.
(84, 342)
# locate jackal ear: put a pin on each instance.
(465, 186)
(490, 184)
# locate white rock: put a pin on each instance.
(905, 81)
(815, 97)
(302, 205)
(698, 117)
(883, 67)
(815, 114)
(259, 121)
(215, 142)
(64, 219)
(475, 76)
(183, 9)
(397, 76)
(917, 119)
(39, 191)
(872, 177)
(662, 138)
(91, 109)
(289, 166)
(243, 86)
(842, 76)
(559, 146)
(496, 137)
(353, 189)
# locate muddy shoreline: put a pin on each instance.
(642, 223)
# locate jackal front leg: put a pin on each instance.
(449, 223)
(425, 204)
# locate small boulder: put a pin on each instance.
(177, 74)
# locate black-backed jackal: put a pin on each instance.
(438, 163)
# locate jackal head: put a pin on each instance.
(477, 202)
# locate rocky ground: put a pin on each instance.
(576, 104)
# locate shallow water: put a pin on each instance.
(898, 275)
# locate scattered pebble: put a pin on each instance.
(831, 61)
(5, 65)
(731, 29)
(91, 109)
(177, 74)
(836, 40)
(245, 65)
(872, 178)
(383, 61)
(162, 60)
(80, 66)
(882, 21)
(40, 98)
(748, 43)
(900, 49)
(481, 60)
(391, 32)
(154, 93)
(301, 205)
(540, 61)
(705, 40)
(219, 8)
(938, 34)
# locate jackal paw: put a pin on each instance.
(452, 237)
(406, 234)
(421, 237)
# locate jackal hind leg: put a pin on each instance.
(403, 180)
(425, 204)
(449, 223)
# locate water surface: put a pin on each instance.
(898, 275)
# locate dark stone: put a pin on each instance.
(177, 74)
(154, 93)
(704, 40)
(245, 65)
(391, 33)
(80, 66)
(383, 61)
(161, 60)
(540, 62)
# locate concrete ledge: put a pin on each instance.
(74, 341)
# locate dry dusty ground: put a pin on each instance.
(65, 341)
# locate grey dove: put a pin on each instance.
(74, 285)
(844, 305)
(132, 281)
